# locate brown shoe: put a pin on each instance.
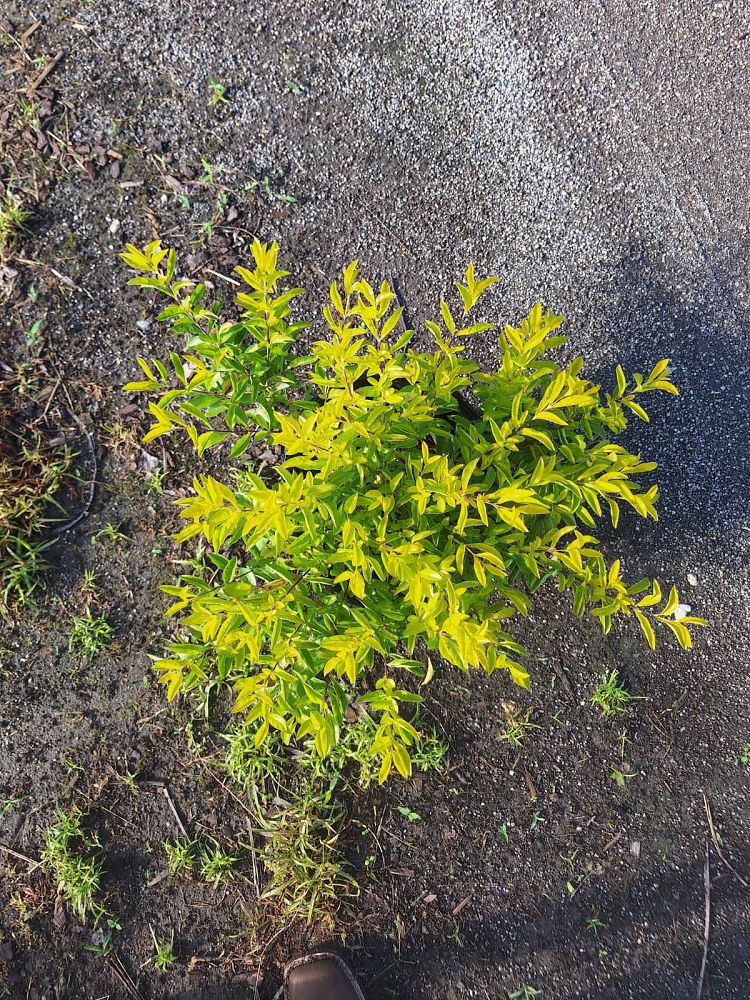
(321, 976)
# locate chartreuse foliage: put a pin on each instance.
(398, 518)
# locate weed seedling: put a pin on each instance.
(89, 589)
(429, 755)
(110, 533)
(14, 217)
(505, 832)
(155, 482)
(78, 874)
(517, 726)
(525, 993)
(70, 764)
(164, 954)
(31, 475)
(254, 768)
(180, 855)
(744, 758)
(21, 565)
(263, 186)
(129, 778)
(570, 859)
(102, 940)
(621, 777)
(209, 172)
(594, 924)
(216, 93)
(90, 634)
(409, 814)
(537, 820)
(216, 865)
(221, 203)
(34, 335)
(610, 695)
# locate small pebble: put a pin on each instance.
(114, 226)
(692, 579)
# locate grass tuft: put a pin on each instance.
(14, 217)
(610, 695)
(90, 634)
(67, 854)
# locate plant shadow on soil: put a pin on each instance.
(699, 439)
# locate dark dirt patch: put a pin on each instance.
(421, 138)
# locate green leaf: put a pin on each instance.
(647, 628)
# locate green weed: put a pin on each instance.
(215, 864)
(14, 219)
(217, 93)
(611, 696)
(621, 777)
(409, 814)
(180, 855)
(110, 533)
(254, 768)
(517, 726)
(90, 634)
(164, 954)
(31, 476)
(68, 855)
(307, 872)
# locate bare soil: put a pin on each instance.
(549, 149)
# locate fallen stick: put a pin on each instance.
(706, 921)
(20, 857)
(44, 74)
(172, 806)
(719, 851)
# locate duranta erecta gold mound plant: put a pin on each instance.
(403, 521)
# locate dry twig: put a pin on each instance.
(719, 851)
(706, 921)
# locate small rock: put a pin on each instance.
(692, 579)
(635, 849)
(680, 611)
(114, 226)
(144, 325)
(148, 463)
